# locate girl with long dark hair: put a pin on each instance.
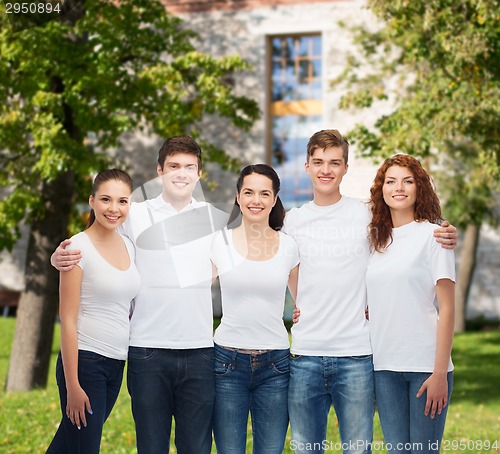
(254, 261)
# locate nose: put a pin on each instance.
(113, 206)
(400, 186)
(256, 199)
(325, 168)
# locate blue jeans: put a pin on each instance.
(317, 382)
(101, 378)
(166, 383)
(406, 429)
(251, 383)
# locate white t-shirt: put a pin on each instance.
(253, 294)
(105, 297)
(334, 252)
(174, 306)
(401, 291)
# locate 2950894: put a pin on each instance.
(32, 8)
(470, 445)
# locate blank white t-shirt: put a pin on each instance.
(173, 309)
(253, 294)
(334, 252)
(401, 292)
(106, 292)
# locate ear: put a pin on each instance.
(91, 201)
(238, 197)
(306, 166)
(199, 173)
(346, 168)
(275, 199)
(159, 170)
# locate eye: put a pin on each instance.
(124, 201)
(409, 181)
(105, 199)
(191, 168)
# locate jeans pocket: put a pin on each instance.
(207, 354)
(89, 357)
(141, 353)
(221, 368)
(362, 357)
(282, 365)
(294, 357)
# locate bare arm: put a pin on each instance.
(65, 260)
(69, 295)
(447, 235)
(293, 280)
(437, 384)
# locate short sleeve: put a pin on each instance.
(292, 251)
(442, 262)
(79, 242)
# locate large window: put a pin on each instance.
(295, 110)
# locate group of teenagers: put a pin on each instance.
(136, 285)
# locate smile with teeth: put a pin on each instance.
(399, 197)
(112, 218)
(180, 184)
(325, 179)
(255, 209)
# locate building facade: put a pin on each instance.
(295, 48)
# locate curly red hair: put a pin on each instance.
(427, 207)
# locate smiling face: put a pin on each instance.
(180, 173)
(111, 203)
(326, 167)
(256, 198)
(400, 190)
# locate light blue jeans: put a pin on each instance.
(255, 384)
(406, 428)
(317, 382)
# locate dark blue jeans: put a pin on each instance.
(101, 378)
(255, 384)
(166, 383)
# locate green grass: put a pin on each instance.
(29, 420)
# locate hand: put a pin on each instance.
(78, 402)
(447, 235)
(437, 394)
(296, 315)
(63, 260)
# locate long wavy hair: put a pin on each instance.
(102, 177)
(427, 207)
(277, 214)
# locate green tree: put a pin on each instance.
(438, 63)
(68, 90)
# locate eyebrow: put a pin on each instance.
(120, 197)
(404, 178)
(253, 190)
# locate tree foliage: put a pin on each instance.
(70, 88)
(438, 63)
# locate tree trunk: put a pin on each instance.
(465, 273)
(31, 350)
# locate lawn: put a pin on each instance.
(29, 420)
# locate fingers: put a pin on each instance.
(64, 243)
(79, 417)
